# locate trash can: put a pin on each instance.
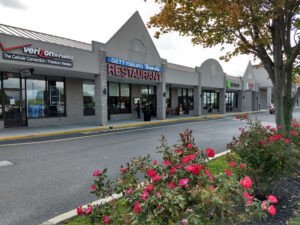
(147, 115)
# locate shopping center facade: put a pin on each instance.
(48, 80)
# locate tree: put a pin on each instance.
(267, 29)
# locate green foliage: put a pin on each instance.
(179, 190)
(266, 152)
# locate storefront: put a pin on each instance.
(47, 80)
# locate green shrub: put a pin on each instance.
(266, 153)
(179, 190)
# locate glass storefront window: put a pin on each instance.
(11, 80)
(168, 99)
(36, 102)
(186, 99)
(119, 98)
(210, 100)
(88, 88)
(45, 96)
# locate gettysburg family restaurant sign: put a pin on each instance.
(122, 68)
(37, 55)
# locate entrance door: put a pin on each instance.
(13, 115)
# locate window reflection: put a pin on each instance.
(88, 97)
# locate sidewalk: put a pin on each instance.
(30, 132)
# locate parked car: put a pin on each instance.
(271, 109)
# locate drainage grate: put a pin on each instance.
(5, 163)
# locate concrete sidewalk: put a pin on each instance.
(30, 132)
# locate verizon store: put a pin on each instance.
(47, 80)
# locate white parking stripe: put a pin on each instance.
(5, 163)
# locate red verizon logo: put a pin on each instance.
(13, 48)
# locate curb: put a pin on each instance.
(72, 213)
(211, 116)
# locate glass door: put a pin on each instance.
(12, 108)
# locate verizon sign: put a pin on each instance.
(37, 55)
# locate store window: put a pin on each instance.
(36, 97)
(45, 97)
(210, 100)
(88, 88)
(186, 99)
(119, 98)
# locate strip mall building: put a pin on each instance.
(47, 80)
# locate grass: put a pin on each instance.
(218, 165)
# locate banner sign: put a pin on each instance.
(33, 59)
(133, 64)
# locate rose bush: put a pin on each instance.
(178, 190)
(266, 153)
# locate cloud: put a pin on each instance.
(14, 4)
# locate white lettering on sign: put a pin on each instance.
(46, 54)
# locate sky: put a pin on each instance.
(98, 20)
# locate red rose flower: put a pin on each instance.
(210, 152)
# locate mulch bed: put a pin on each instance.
(287, 191)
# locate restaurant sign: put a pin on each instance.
(122, 68)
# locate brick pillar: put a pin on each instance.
(101, 91)
(197, 94)
(161, 95)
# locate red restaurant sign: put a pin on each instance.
(133, 73)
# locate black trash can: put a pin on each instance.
(147, 115)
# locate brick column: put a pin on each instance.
(161, 95)
(197, 94)
(101, 91)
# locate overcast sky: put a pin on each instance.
(99, 19)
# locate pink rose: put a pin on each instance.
(106, 220)
(207, 172)
(268, 127)
(262, 142)
(228, 172)
(237, 117)
(93, 188)
(196, 169)
(264, 205)
(183, 221)
(247, 183)
(272, 210)
(183, 182)
(186, 160)
(279, 127)
(96, 173)
(151, 173)
(123, 169)
(210, 152)
(167, 163)
(79, 210)
(171, 185)
(158, 194)
(189, 168)
(293, 132)
(287, 141)
(189, 145)
(150, 187)
(155, 162)
(212, 187)
(88, 210)
(272, 198)
(232, 164)
(179, 166)
(137, 208)
(172, 170)
(296, 125)
(245, 116)
(156, 178)
(242, 165)
(128, 192)
(145, 195)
